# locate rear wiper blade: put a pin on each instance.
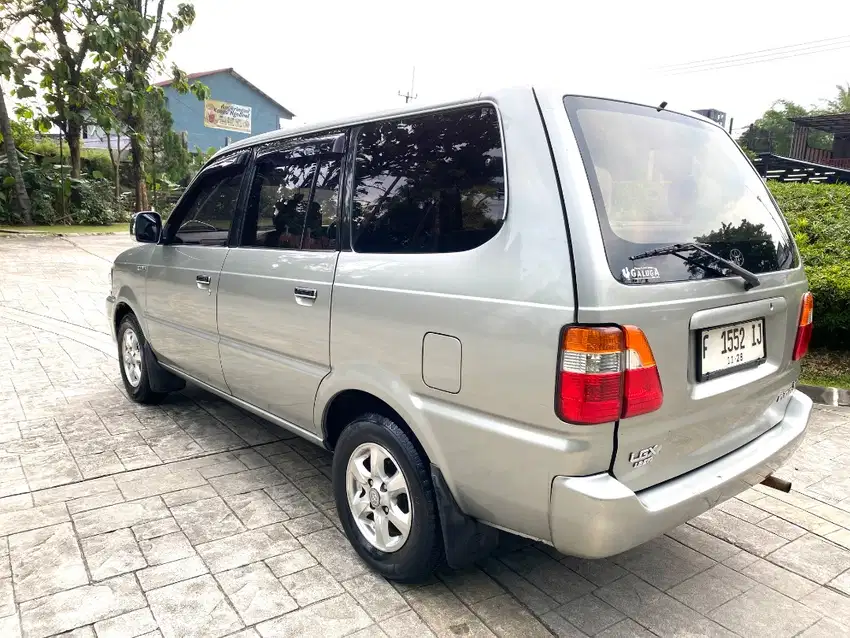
(749, 277)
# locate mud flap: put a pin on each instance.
(160, 379)
(465, 539)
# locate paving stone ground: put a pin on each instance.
(196, 519)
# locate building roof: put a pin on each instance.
(835, 123)
(230, 71)
(787, 169)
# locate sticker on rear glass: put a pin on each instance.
(637, 274)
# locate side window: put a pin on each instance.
(294, 200)
(429, 184)
(211, 209)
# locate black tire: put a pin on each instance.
(422, 552)
(141, 392)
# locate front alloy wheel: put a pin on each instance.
(132, 357)
(378, 497)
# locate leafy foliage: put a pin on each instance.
(772, 131)
(88, 199)
(819, 217)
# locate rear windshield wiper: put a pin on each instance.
(749, 277)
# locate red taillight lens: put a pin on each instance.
(804, 327)
(642, 391)
(606, 373)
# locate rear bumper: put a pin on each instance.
(597, 516)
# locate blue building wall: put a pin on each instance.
(188, 112)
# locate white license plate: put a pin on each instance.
(729, 348)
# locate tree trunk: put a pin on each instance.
(116, 165)
(74, 138)
(14, 167)
(138, 171)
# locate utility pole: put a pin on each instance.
(410, 95)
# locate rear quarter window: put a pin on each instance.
(433, 183)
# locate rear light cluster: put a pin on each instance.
(606, 373)
(804, 327)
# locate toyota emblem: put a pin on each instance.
(736, 256)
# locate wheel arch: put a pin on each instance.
(368, 388)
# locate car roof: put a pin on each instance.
(641, 93)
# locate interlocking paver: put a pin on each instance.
(765, 612)
(46, 561)
(134, 623)
(311, 585)
(291, 562)
(193, 608)
(257, 509)
(656, 610)
(112, 554)
(256, 593)
(169, 573)
(207, 520)
(247, 547)
(113, 517)
(814, 558)
(201, 500)
(166, 548)
(81, 606)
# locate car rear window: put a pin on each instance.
(660, 178)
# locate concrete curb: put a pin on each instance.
(15, 234)
(826, 396)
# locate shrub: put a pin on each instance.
(88, 201)
(819, 217)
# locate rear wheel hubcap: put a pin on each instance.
(378, 497)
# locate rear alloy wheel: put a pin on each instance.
(386, 500)
(378, 497)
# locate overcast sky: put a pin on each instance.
(331, 58)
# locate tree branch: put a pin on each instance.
(155, 36)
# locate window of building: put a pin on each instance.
(429, 184)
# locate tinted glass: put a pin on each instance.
(661, 178)
(211, 209)
(429, 184)
(293, 201)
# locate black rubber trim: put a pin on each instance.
(465, 539)
(563, 206)
(160, 379)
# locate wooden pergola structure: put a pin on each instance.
(838, 124)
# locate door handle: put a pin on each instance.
(203, 281)
(309, 294)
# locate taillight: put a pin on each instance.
(606, 373)
(804, 327)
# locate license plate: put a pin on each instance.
(730, 348)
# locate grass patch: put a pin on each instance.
(827, 368)
(65, 230)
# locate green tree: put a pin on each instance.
(841, 102)
(167, 157)
(136, 40)
(59, 47)
(9, 146)
(773, 130)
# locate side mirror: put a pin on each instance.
(146, 227)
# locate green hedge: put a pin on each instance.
(819, 217)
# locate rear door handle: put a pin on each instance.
(203, 281)
(306, 293)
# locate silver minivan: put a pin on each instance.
(571, 318)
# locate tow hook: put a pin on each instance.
(777, 483)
